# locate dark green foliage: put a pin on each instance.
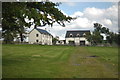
(43, 13)
(113, 38)
(13, 20)
(47, 13)
(104, 30)
(97, 27)
(89, 37)
(97, 38)
(54, 40)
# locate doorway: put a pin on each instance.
(82, 43)
(71, 43)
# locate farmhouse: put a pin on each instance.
(40, 36)
(77, 37)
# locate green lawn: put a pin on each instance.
(35, 61)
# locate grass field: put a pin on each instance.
(35, 61)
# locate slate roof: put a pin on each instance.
(43, 31)
(76, 32)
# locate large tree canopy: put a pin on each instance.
(42, 14)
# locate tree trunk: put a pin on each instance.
(21, 37)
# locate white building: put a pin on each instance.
(60, 42)
(40, 36)
(77, 37)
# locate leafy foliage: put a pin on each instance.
(42, 13)
(97, 38)
(54, 40)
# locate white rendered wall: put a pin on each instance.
(42, 38)
(77, 40)
(32, 37)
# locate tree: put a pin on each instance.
(113, 38)
(105, 30)
(119, 39)
(97, 27)
(13, 20)
(42, 13)
(96, 37)
(54, 40)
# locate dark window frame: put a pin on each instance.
(37, 35)
(37, 40)
(78, 35)
(71, 35)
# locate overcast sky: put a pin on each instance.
(105, 13)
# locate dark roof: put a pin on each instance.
(43, 31)
(76, 32)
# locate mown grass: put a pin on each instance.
(36, 61)
(107, 55)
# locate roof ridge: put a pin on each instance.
(78, 30)
(43, 31)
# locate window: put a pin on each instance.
(37, 35)
(84, 34)
(78, 35)
(71, 35)
(71, 43)
(36, 40)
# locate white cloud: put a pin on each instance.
(77, 14)
(71, 3)
(107, 22)
(60, 0)
(84, 0)
(93, 12)
(107, 17)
